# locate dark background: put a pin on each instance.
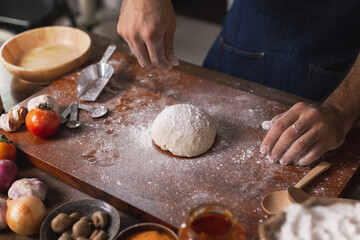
(207, 10)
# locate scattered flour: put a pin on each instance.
(335, 222)
(266, 125)
(116, 154)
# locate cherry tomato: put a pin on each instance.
(42, 121)
(7, 149)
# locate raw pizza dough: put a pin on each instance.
(184, 130)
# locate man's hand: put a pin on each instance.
(303, 134)
(148, 26)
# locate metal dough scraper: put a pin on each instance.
(94, 78)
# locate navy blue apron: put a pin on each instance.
(304, 47)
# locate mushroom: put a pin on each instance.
(86, 219)
(100, 219)
(100, 236)
(66, 236)
(81, 228)
(75, 216)
(60, 223)
(93, 234)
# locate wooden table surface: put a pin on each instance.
(16, 91)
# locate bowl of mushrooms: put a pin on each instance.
(83, 219)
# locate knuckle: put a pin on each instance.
(321, 126)
(122, 31)
(150, 35)
(301, 144)
(128, 35)
(313, 113)
(133, 36)
(315, 134)
(124, 35)
(119, 31)
(300, 106)
(147, 36)
(289, 135)
(119, 28)
(279, 126)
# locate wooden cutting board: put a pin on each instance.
(113, 158)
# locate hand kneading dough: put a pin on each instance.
(184, 130)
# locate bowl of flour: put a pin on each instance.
(316, 219)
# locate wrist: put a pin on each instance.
(343, 117)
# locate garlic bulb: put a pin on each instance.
(3, 208)
(12, 120)
(34, 102)
(28, 187)
(18, 114)
(7, 124)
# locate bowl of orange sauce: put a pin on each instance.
(147, 231)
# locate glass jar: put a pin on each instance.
(211, 222)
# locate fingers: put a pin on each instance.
(314, 153)
(156, 52)
(169, 47)
(275, 132)
(300, 147)
(266, 125)
(151, 52)
(293, 138)
(290, 136)
(301, 135)
(277, 117)
(140, 51)
(148, 26)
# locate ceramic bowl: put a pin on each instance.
(146, 227)
(42, 55)
(269, 228)
(85, 207)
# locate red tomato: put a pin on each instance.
(42, 121)
(7, 149)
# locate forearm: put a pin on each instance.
(345, 100)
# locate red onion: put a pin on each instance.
(9, 172)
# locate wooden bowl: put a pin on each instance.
(269, 228)
(137, 228)
(42, 55)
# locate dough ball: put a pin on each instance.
(34, 102)
(184, 130)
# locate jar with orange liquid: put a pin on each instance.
(211, 222)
